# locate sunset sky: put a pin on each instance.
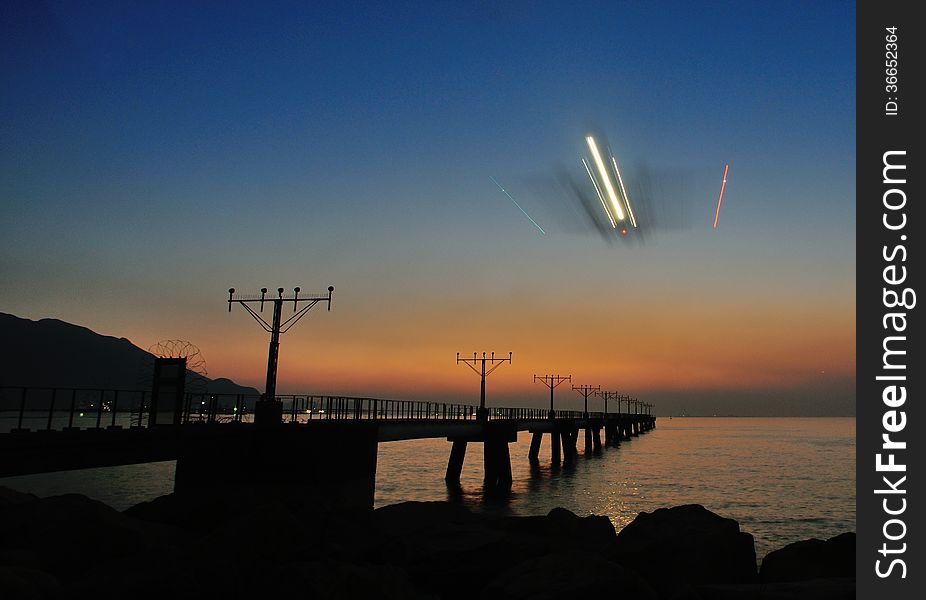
(152, 157)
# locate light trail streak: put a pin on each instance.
(620, 180)
(604, 177)
(504, 191)
(600, 197)
(726, 168)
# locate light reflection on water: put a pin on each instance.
(782, 479)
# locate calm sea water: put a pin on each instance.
(783, 479)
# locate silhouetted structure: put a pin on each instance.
(329, 442)
(586, 390)
(613, 431)
(269, 411)
(169, 384)
(496, 460)
(552, 382)
(592, 434)
(560, 437)
(471, 363)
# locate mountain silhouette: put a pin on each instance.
(53, 353)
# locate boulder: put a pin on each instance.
(685, 545)
(593, 532)
(336, 579)
(9, 497)
(811, 559)
(65, 534)
(818, 589)
(27, 584)
(433, 534)
(408, 518)
(152, 578)
(344, 533)
(451, 551)
(262, 533)
(445, 548)
(195, 512)
(567, 575)
(558, 531)
(204, 510)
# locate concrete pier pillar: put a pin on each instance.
(570, 439)
(272, 461)
(534, 453)
(556, 451)
(490, 463)
(504, 461)
(596, 439)
(497, 462)
(588, 439)
(455, 464)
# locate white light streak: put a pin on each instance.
(600, 197)
(633, 219)
(604, 177)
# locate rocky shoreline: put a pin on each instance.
(257, 545)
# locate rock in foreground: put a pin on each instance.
(567, 575)
(254, 546)
(685, 545)
(811, 559)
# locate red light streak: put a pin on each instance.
(726, 168)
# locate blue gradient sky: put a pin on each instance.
(152, 157)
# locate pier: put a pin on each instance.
(311, 442)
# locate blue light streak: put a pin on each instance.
(504, 191)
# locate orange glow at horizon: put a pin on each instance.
(685, 350)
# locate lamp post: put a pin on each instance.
(585, 390)
(552, 382)
(268, 410)
(472, 363)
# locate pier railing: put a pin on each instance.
(56, 408)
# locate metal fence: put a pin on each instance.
(47, 408)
